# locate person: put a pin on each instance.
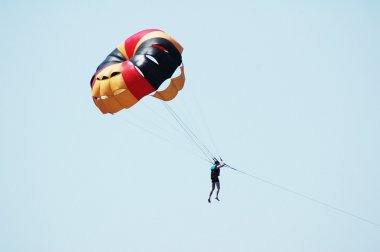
(215, 171)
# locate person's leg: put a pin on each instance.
(218, 188)
(212, 190)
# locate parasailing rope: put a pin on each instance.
(283, 188)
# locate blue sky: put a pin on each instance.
(289, 90)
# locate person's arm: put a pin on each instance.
(221, 165)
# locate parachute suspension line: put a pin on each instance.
(186, 131)
(142, 128)
(194, 130)
(148, 121)
(206, 125)
(194, 135)
(179, 131)
(283, 188)
(201, 122)
(190, 133)
(158, 115)
(189, 114)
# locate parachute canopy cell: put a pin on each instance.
(137, 68)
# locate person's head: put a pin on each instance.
(216, 162)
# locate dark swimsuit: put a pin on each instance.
(215, 175)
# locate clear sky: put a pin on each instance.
(288, 89)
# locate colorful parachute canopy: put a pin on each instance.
(137, 68)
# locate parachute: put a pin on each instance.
(137, 68)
